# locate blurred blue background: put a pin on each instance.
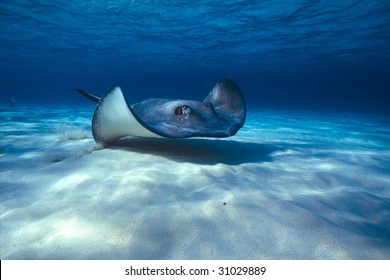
(312, 55)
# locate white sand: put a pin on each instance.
(287, 186)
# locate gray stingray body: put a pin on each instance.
(221, 114)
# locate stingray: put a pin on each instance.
(221, 114)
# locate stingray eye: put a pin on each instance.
(179, 111)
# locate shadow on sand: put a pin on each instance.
(201, 151)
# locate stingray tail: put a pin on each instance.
(90, 96)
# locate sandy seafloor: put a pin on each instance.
(287, 186)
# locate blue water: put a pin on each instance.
(307, 177)
(315, 55)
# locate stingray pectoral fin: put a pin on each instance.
(229, 103)
(114, 119)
